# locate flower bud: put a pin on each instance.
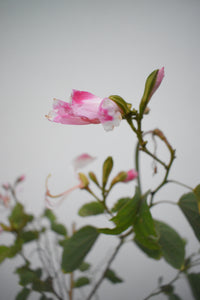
(107, 168)
(93, 178)
(131, 175)
(84, 180)
(124, 177)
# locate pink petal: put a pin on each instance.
(109, 114)
(131, 175)
(82, 160)
(86, 105)
(62, 113)
(159, 79)
(81, 96)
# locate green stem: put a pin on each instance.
(137, 166)
(180, 183)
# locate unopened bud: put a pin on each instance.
(20, 179)
(84, 180)
(121, 176)
(93, 178)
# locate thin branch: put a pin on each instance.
(106, 269)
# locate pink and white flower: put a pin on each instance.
(86, 108)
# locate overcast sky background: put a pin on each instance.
(107, 47)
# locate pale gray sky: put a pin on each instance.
(107, 47)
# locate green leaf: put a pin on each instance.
(107, 168)
(125, 217)
(125, 107)
(4, 252)
(112, 277)
(91, 209)
(197, 194)
(173, 297)
(153, 253)
(18, 218)
(172, 245)
(84, 267)
(44, 297)
(149, 85)
(194, 281)
(10, 251)
(29, 236)
(23, 294)
(189, 206)
(16, 247)
(42, 285)
(49, 215)
(144, 228)
(59, 228)
(77, 247)
(27, 275)
(119, 204)
(81, 281)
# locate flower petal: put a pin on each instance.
(82, 160)
(86, 105)
(109, 114)
(159, 79)
(131, 175)
(62, 113)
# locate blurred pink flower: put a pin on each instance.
(86, 108)
(79, 162)
(82, 160)
(5, 199)
(20, 179)
(131, 175)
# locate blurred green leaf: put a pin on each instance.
(119, 204)
(194, 281)
(18, 218)
(23, 294)
(26, 275)
(189, 206)
(16, 247)
(59, 228)
(172, 245)
(42, 285)
(91, 209)
(149, 85)
(81, 281)
(84, 267)
(10, 251)
(197, 194)
(153, 253)
(107, 168)
(112, 277)
(144, 228)
(44, 297)
(173, 297)
(29, 236)
(77, 247)
(49, 215)
(4, 252)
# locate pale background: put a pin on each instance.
(105, 47)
